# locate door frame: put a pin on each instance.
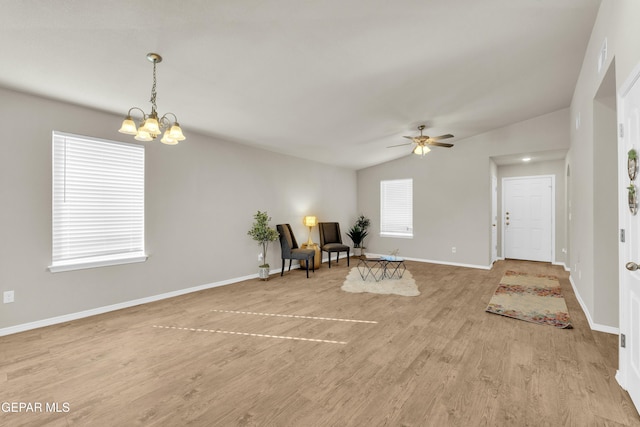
(553, 212)
(494, 219)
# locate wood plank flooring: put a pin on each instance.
(433, 360)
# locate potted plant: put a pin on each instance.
(357, 233)
(263, 234)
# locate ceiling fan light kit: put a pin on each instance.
(423, 141)
(421, 150)
(150, 125)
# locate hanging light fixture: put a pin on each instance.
(421, 149)
(151, 126)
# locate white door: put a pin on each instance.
(494, 218)
(528, 217)
(629, 365)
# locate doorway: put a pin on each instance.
(605, 203)
(528, 218)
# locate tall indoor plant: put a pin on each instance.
(263, 234)
(357, 233)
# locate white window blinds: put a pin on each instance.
(396, 208)
(98, 202)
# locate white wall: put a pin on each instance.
(452, 191)
(617, 21)
(200, 199)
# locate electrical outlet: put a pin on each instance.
(8, 297)
(453, 250)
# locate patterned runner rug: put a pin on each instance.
(536, 299)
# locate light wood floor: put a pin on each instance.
(433, 360)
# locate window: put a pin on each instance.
(396, 208)
(98, 202)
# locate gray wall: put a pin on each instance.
(200, 199)
(452, 191)
(617, 21)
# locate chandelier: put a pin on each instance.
(150, 125)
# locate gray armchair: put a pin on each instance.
(291, 251)
(331, 240)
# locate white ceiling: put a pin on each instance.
(335, 81)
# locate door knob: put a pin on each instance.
(631, 266)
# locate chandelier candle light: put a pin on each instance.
(151, 126)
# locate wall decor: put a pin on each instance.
(632, 164)
(633, 201)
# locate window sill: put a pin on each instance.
(398, 236)
(93, 262)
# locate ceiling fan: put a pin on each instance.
(423, 141)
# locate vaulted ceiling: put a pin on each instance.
(335, 81)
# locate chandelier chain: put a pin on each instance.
(153, 89)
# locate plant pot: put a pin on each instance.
(359, 252)
(263, 273)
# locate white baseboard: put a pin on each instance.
(126, 304)
(620, 379)
(561, 264)
(431, 261)
(594, 326)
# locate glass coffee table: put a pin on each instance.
(381, 268)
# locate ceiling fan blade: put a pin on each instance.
(410, 137)
(442, 136)
(400, 145)
(439, 144)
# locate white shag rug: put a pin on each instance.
(406, 286)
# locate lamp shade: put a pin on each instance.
(151, 125)
(310, 221)
(421, 150)
(166, 139)
(175, 132)
(128, 126)
(143, 135)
